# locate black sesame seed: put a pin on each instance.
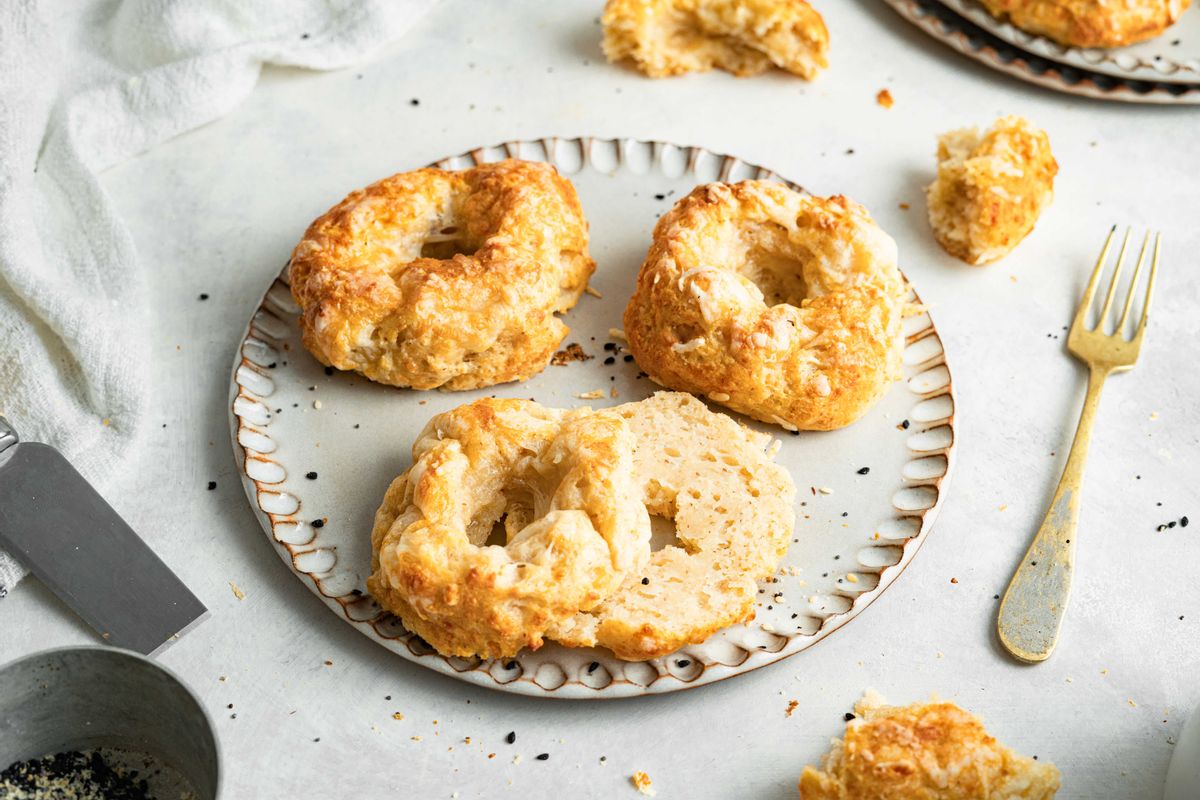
(329, 370)
(645, 581)
(356, 426)
(683, 662)
(414, 102)
(512, 737)
(592, 667)
(212, 485)
(995, 597)
(203, 296)
(848, 716)
(627, 359)
(905, 424)
(1183, 522)
(317, 739)
(1033, 563)
(660, 197)
(387, 697)
(510, 665)
(543, 757)
(318, 523)
(610, 360)
(312, 476)
(864, 470)
(610, 346)
(1171, 524)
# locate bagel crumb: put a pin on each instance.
(237, 591)
(617, 333)
(884, 98)
(641, 781)
(791, 706)
(991, 188)
(594, 394)
(593, 292)
(572, 352)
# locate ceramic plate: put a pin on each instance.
(943, 24)
(1173, 57)
(318, 446)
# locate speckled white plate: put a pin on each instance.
(977, 42)
(854, 535)
(1173, 57)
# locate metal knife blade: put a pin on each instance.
(57, 525)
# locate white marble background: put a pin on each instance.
(217, 211)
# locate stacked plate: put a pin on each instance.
(1163, 70)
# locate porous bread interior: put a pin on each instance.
(732, 508)
(671, 37)
(950, 198)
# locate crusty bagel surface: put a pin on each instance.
(777, 304)
(561, 485)
(441, 279)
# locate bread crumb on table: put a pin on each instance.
(641, 781)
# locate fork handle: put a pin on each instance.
(1035, 602)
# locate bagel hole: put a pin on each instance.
(499, 534)
(663, 533)
(776, 269)
(446, 244)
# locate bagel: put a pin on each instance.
(923, 751)
(990, 189)
(732, 507)
(439, 279)
(776, 304)
(745, 37)
(1090, 23)
(560, 483)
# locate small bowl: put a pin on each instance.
(82, 698)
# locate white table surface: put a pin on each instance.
(218, 211)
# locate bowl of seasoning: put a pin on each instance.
(105, 724)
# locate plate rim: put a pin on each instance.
(665, 682)
(1107, 59)
(988, 49)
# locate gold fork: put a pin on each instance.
(1035, 602)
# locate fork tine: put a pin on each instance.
(1089, 294)
(1150, 285)
(1133, 283)
(1116, 277)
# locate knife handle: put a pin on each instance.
(8, 434)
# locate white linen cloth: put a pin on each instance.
(85, 84)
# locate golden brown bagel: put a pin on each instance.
(444, 279)
(1091, 23)
(934, 751)
(732, 507)
(779, 305)
(560, 481)
(745, 37)
(990, 189)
